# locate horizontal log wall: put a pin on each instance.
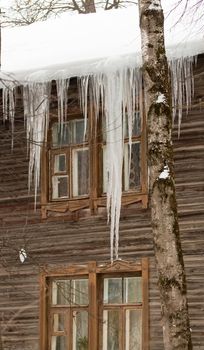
(61, 241)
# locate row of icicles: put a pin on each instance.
(116, 94)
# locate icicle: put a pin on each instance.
(84, 83)
(182, 85)
(116, 95)
(9, 106)
(36, 113)
(62, 95)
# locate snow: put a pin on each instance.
(165, 173)
(155, 5)
(76, 45)
(104, 51)
(161, 98)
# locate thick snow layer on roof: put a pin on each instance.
(76, 45)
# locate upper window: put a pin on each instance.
(69, 160)
(96, 308)
(74, 175)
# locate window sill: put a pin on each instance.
(74, 205)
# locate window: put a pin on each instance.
(73, 166)
(69, 160)
(95, 307)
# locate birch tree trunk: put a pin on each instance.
(168, 252)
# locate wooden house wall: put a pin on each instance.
(61, 241)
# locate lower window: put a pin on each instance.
(93, 307)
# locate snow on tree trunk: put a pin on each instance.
(168, 252)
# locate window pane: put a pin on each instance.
(80, 292)
(133, 330)
(136, 125)
(80, 172)
(59, 343)
(111, 330)
(61, 292)
(61, 134)
(80, 330)
(132, 167)
(112, 293)
(132, 289)
(58, 322)
(78, 131)
(71, 292)
(60, 187)
(60, 163)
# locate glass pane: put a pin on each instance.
(132, 289)
(132, 167)
(61, 292)
(133, 330)
(80, 172)
(59, 343)
(112, 292)
(78, 131)
(58, 322)
(60, 163)
(59, 187)
(71, 292)
(80, 330)
(111, 330)
(136, 125)
(61, 134)
(80, 292)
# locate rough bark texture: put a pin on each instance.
(89, 6)
(168, 252)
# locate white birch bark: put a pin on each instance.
(165, 228)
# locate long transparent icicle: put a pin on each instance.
(36, 113)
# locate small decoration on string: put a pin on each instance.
(22, 255)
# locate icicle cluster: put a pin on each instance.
(115, 94)
(182, 85)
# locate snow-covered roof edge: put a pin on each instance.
(79, 45)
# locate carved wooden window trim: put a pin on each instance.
(96, 197)
(95, 274)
